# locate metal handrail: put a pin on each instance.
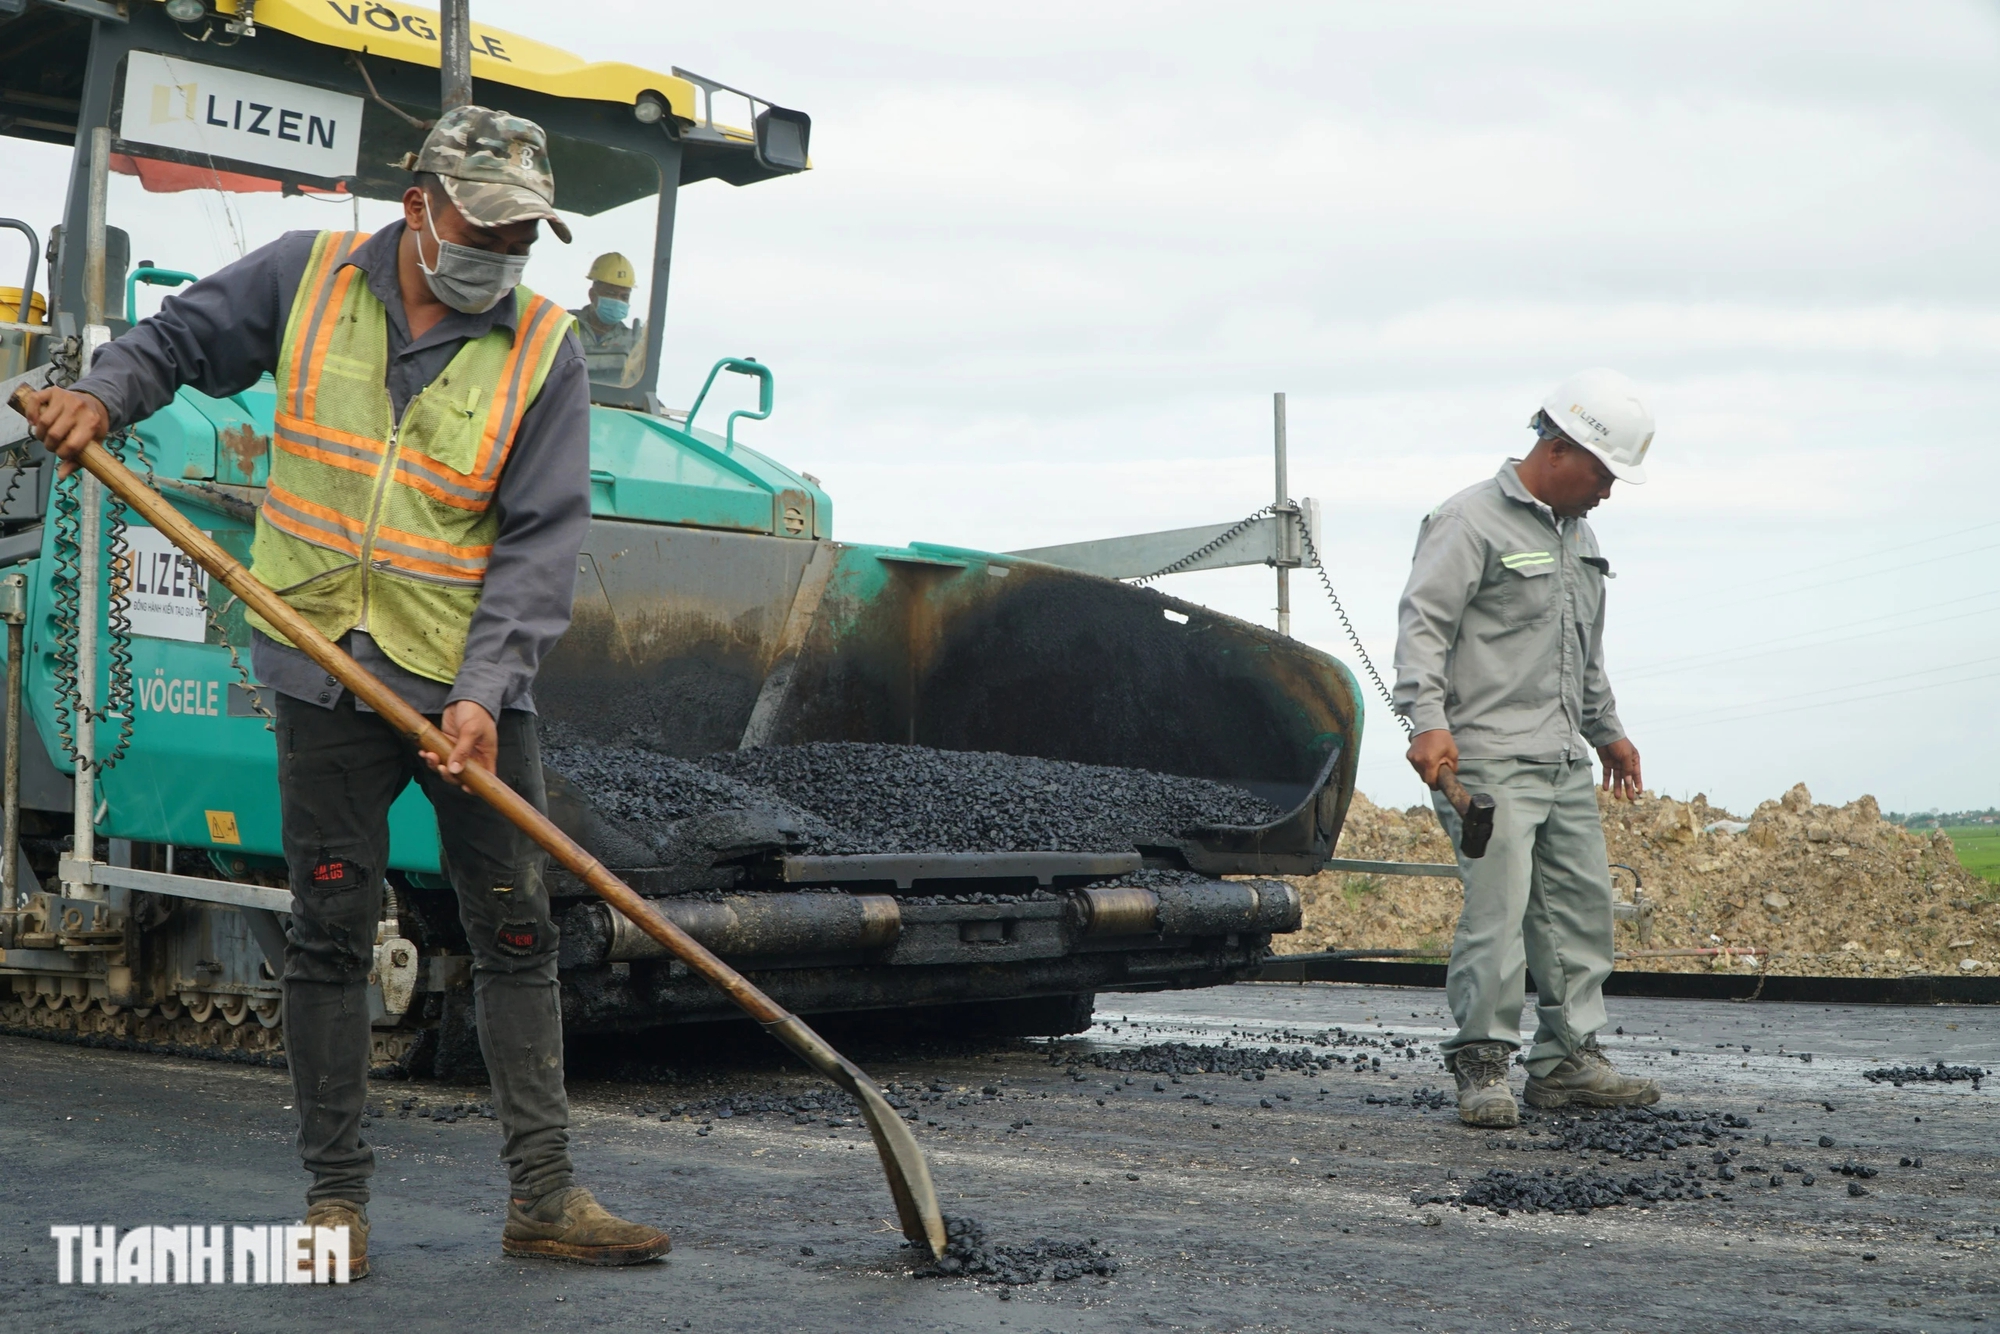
(27, 306)
(766, 393)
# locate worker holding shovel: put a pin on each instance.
(1500, 672)
(428, 495)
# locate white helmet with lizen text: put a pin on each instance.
(1602, 411)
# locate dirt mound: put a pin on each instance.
(1819, 889)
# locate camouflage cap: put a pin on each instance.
(494, 165)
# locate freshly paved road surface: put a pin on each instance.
(1295, 1217)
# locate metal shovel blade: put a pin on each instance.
(903, 1162)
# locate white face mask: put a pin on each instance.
(467, 279)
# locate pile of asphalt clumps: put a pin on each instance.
(443, 1115)
(822, 1107)
(1180, 1058)
(968, 1254)
(1425, 1099)
(1633, 1132)
(647, 788)
(1157, 879)
(873, 798)
(1503, 1190)
(948, 900)
(1940, 1073)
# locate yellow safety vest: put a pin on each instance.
(377, 524)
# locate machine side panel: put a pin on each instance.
(673, 631)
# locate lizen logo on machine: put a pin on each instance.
(234, 116)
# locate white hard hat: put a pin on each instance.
(1602, 411)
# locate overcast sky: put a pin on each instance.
(1053, 260)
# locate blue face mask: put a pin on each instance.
(611, 310)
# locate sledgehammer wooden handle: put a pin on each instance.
(1475, 814)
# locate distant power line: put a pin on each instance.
(1849, 560)
(1784, 644)
(1834, 703)
(1769, 593)
(1763, 708)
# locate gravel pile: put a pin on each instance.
(1504, 1191)
(1940, 1073)
(442, 1114)
(1815, 889)
(949, 900)
(883, 799)
(1634, 1132)
(828, 1107)
(645, 788)
(1424, 1099)
(968, 1254)
(1179, 1058)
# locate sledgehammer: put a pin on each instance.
(1475, 815)
(902, 1161)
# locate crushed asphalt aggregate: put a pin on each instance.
(848, 798)
(1197, 1161)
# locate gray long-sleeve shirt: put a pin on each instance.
(223, 332)
(1500, 634)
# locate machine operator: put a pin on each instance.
(612, 349)
(429, 493)
(1500, 668)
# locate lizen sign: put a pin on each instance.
(229, 115)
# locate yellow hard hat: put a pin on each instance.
(613, 268)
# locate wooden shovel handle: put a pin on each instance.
(220, 565)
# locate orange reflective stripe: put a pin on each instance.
(317, 524)
(329, 289)
(504, 417)
(442, 484)
(429, 556)
(323, 444)
(437, 546)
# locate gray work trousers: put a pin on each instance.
(1539, 899)
(338, 771)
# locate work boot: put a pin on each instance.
(353, 1217)
(1586, 1078)
(1483, 1096)
(570, 1224)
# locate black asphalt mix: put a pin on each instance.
(852, 797)
(1162, 1179)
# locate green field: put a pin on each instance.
(1978, 848)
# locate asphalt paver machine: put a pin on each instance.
(715, 610)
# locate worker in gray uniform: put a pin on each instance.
(433, 533)
(1500, 670)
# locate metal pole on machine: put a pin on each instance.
(90, 502)
(1287, 517)
(455, 53)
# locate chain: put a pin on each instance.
(15, 459)
(1244, 525)
(66, 519)
(1208, 548)
(1319, 568)
(118, 609)
(66, 361)
(249, 689)
(65, 547)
